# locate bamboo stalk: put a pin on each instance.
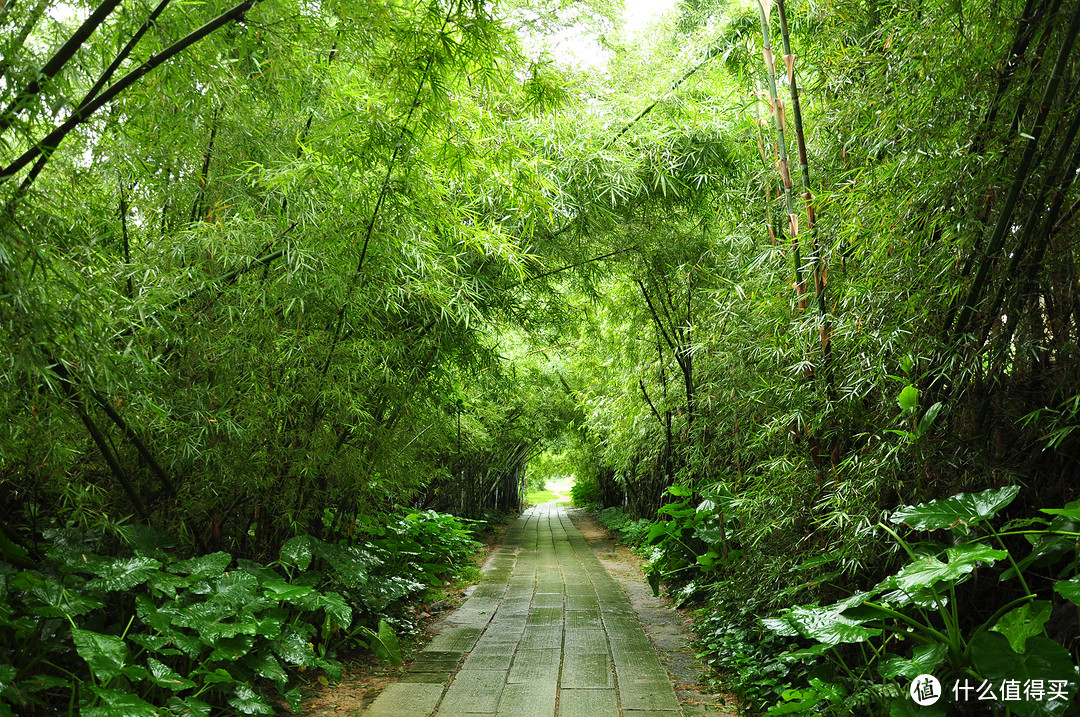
(93, 92)
(204, 174)
(18, 39)
(779, 122)
(1035, 229)
(997, 239)
(47, 145)
(820, 268)
(57, 62)
(127, 240)
(1025, 30)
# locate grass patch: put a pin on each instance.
(557, 490)
(543, 496)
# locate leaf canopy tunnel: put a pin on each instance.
(268, 267)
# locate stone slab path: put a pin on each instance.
(546, 633)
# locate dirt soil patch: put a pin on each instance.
(669, 629)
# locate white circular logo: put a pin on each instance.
(925, 690)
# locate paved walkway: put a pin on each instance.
(547, 632)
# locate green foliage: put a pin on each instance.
(756, 664)
(135, 634)
(585, 493)
(626, 529)
(690, 545)
(331, 259)
(915, 622)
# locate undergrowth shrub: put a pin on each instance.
(973, 606)
(747, 659)
(149, 632)
(627, 530)
(585, 493)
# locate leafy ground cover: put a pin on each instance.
(364, 676)
(149, 632)
(971, 602)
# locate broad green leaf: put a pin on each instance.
(657, 531)
(60, 601)
(1043, 660)
(298, 551)
(352, 565)
(924, 660)
(118, 703)
(653, 576)
(797, 701)
(802, 700)
(188, 707)
(261, 572)
(231, 649)
(385, 644)
(248, 702)
(118, 574)
(959, 512)
(293, 649)
(908, 399)
(294, 697)
(1024, 622)
(236, 588)
(37, 683)
(1071, 510)
(154, 643)
(284, 592)
(711, 534)
(678, 509)
(679, 490)
(827, 624)
(780, 626)
(1069, 589)
(105, 654)
(928, 418)
(266, 665)
(929, 570)
(217, 676)
(336, 607)
(1047, 551)
(164, 676)
(204, 566)
(169, 583)
(9, 549)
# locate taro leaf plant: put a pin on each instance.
(912, 622)
(132, 634)
(690, 544)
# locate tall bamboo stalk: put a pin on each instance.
(776, 105)
(1036, 230)
(820, 268)
(48, 144)
(997, 239)
(818, 455)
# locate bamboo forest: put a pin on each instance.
(300, 300)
